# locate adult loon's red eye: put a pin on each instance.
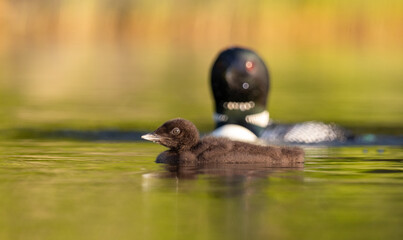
(249, 65)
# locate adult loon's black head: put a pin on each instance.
(177, 134)
(240, 85)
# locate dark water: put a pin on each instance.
(69, 189)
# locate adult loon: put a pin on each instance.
(240, 83)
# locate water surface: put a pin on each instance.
(113, 190)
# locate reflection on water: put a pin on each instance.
(227, 199)
(114, 190)
(230, 198)
(236, 171)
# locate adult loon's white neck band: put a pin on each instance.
(259, 119)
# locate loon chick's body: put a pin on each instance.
(182, 138)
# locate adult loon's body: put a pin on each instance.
(240, 83)
(300, 133)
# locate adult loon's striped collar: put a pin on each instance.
(254, 123)
(259, 119)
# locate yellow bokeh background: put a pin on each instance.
(67, 63)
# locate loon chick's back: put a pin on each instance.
(182, 138)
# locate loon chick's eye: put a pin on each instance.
(175, 131)
(249, 65)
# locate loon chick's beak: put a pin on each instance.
(151, 137)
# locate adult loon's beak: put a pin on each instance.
(152, 137)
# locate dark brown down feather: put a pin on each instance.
(186, 147)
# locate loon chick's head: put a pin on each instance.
(240, 84)
(177, 134)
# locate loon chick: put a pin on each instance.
(240, 83)
(182, 138)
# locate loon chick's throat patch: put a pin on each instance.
(242, 106)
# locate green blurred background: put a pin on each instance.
(134, 64)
